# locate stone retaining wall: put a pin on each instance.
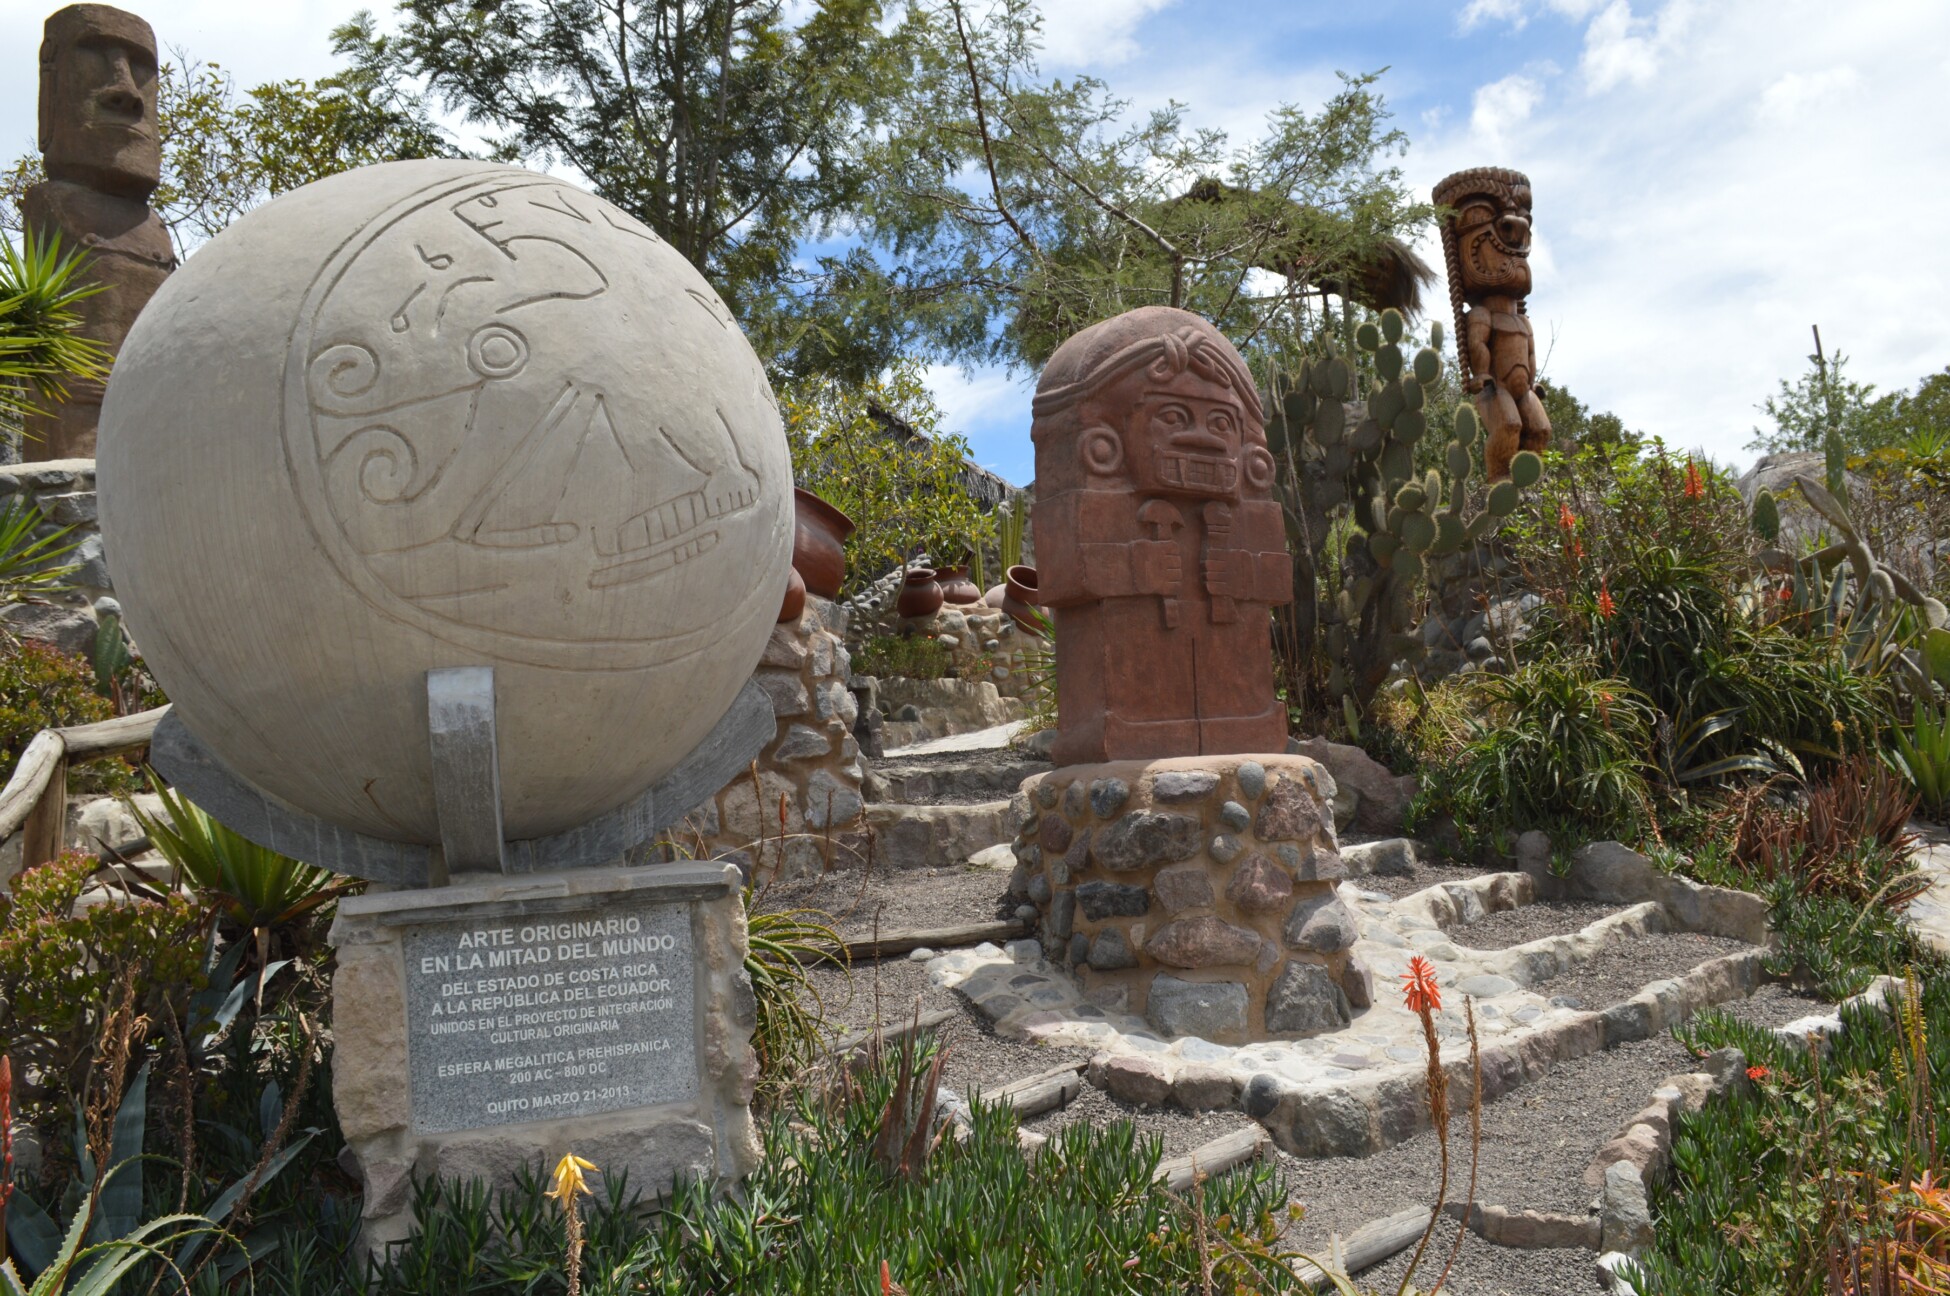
(798, 811)
(64, 492)
(1197, 891)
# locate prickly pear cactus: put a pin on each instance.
(1766, 516)
(1341, 460)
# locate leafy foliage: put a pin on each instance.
(1045, 205)
(224, 153)
(875, 452)
(822, 1213)
(31, 556)
(727, 127)
(1819, 1179)
(903, 656)
(42, 688)
(255, 890)
(1555, 745)
(41, 348)
(60, 966)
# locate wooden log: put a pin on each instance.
(1367, 1246)
(1046, 1094)
(31, 774)
(1221, 1154)
(936, 938)
(1006, 1092)
(47, 822)
(115, 737)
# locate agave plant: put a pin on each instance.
(253, 887)
(40, 344)
(31, 559)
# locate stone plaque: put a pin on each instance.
(513, 1019)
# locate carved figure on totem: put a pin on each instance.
(1487, 247)
(1160, 544)
(103, 158)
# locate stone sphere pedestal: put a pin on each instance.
(1196, 891)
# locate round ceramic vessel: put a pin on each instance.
(819, 543)
(956, 587)
(920, 594)
(434, 414)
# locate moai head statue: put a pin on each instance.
(98, 101)
(1155, 401)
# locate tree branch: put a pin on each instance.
(982, 124)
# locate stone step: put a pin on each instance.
(951, 778)
(938, 836)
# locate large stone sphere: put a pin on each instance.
(435, 414)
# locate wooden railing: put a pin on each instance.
(35, 801)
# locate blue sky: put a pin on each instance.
(1711, 176)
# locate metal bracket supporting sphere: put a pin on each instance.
(466, 794)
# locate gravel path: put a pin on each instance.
(1425, 875)
(1531, 922)
(1620, 971)
(1776, 1005)
(1485, 1270)
(977, 1057)
(1537, 1142)
(1180, 1131)
(903, 899)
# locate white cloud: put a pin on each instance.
(1478, 12)
(1097, 32)
(1517, 12)
(1796, 93)
(1620, 48)
(1673, 262)
(1501, 106)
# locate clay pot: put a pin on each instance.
(921, 594)
(956, 587)
(794, 603)
(819, 533)
(1019, 598)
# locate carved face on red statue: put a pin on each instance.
(1160, 402)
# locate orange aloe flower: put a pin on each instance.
(1757, 1073)
(1420, 991)
(1695, 486)
(1606, 607)
(1566, 518)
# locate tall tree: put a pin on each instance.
(1078, 208)
(727, 126)
(224, 152)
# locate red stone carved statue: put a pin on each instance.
(1159, 543)
(1487, 247)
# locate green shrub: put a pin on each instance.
(1082, 1215)
(59, 967)
(41, 688)
(905, 657)
(1778, 1188)
(1556, 746)
(876, 453)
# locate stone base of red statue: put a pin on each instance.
(1197, 891)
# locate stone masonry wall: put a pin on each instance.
(64, 492)
(1197, 891)
(812, 762)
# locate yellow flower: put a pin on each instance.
(569, 1182)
